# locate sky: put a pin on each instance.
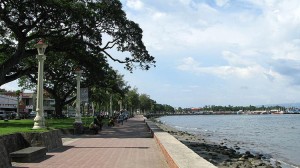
(217, 52)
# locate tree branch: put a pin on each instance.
(110, 42)
(116, 60)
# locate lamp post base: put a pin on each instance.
(39, 123)
(38, 127)
(18, 117)
(78, 128)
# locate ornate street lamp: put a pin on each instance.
(78, 127)
(39, 120)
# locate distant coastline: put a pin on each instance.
(156, 115)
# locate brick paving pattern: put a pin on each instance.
(125, 146)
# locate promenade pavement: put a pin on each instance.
(124, 146)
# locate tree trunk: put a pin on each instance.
(58, 107)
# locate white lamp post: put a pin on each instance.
(78, 71)
(39, 120)
(109, 109)
(78, 126)
(120, 104)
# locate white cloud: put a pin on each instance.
(135, 4)
(236, 60)
(185, 2)
(288, 50)
(252, 44)
(156, 16)
(190, 26)
(189, 64)
(270, 75)
(222, 3)
(233, 70)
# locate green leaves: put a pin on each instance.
(68, 26)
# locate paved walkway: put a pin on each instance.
(125, 146)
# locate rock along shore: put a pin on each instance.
(219, 154)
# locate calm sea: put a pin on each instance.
(276, 136)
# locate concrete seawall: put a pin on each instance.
(177, 154)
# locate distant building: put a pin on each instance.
(195, 110)
(8, 102)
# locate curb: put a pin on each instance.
(176, 153)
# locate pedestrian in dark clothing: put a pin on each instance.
(95, 126)
(100, 123)
(121, 118)
(111, 122)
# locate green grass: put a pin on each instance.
(25, 125)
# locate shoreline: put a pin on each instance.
(220, 155)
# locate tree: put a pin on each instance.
(252, 108)
(60, 79)
(82, 31)
(133, 99)
(94, 26)
(3, 90)
(159, 108)
(115, 85)
(179, 110)
(169, 109)
(145, 102)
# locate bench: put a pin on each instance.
(27, 155)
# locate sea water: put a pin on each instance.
(275, 136)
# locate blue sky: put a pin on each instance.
(218, 52)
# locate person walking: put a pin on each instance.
(100, 121)
(121, 117)
(96, 125)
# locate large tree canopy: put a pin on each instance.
(81, 28)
